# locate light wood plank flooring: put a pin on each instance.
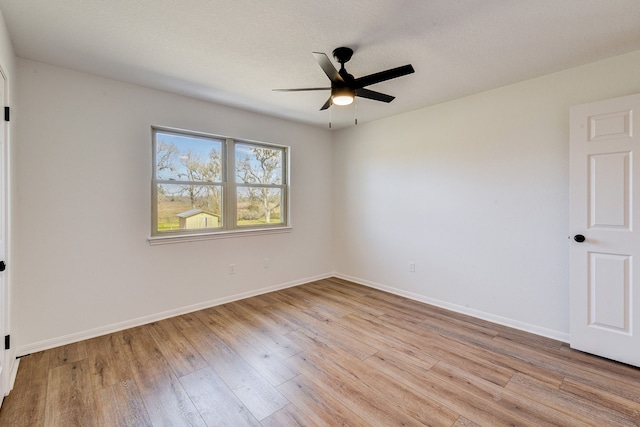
(328, 353)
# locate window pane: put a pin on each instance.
(259, 206)
(188, 158)
(258, 165)
(189, 206)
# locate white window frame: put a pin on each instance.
(229, 185)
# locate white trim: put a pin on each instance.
(5, 229)
(13, 374)
(115, 327)
(92, 333)
(163, 240)
(516, 324)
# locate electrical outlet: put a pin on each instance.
(266, 263)
(232, 269)
(412, 267)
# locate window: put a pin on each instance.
(204, 184)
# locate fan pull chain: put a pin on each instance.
(330, 116)
(355, 111)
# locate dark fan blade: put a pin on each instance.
(301, 89)
(371, 94)
(327, 67)
(326, 104)
(382, 76)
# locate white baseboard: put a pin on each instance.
(14, 373)
(516, 324)
(115, 327)
(103, 330)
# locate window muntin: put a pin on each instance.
(205, 184)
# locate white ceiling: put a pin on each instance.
(235, 52)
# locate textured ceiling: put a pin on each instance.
(235, 52)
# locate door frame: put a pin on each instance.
(8, 362)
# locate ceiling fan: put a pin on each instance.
(344, 87)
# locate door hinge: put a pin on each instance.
(7, 342)
(6, 114)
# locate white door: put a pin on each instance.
(4, 293)
(605, 228)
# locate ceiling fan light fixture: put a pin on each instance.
(342, 96)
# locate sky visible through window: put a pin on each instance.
(199, 147)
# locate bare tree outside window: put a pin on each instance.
(196, 188)
(188, 167)
(259, 174)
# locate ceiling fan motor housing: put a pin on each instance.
(342, 54)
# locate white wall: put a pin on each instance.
(476, 193)
(83, 209)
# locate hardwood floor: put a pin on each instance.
(328, 353)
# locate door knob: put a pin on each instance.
(579, 238)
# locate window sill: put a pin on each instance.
(163, 240)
